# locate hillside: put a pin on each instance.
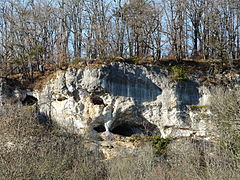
(146, 114)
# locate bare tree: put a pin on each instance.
(39, 33)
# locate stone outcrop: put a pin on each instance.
(123, 99)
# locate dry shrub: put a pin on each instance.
(18, 120)
(226, 117)
(217, 159)
(132, 168)
(192, 158)
(40, 153)
(186, 159)
(189, 159)
(225, 107)
(51, 158)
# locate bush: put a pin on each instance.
(194, 159)
(159, 144)
(179, 73)
(133, 167)
(50, 158)
(19, 121)
(225, 106)
(29, 150)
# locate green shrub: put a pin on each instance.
(179, 73)
(197, 107)
(37, 50)
(136, 137)
(159, 144)
(78, 60)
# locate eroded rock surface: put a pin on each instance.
(123, 99)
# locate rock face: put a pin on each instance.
(124, 99)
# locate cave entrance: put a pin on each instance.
(100, 128)
(96, 100)
(126, 130)
(29, 100)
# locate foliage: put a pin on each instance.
(16, 61)
(159, 144)
(197, 107)
(179, 73)
(78, 60)
(37, 50)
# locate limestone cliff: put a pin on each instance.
(123, 99)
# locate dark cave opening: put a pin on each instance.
(100, 128)
(62, 98)
(126, 130)
(29, 100)
(96, 100)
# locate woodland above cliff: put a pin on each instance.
(38, 35)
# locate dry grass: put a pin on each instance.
(226, 110)
(134, 167)
(40, 80)
(198, 67)
(193, 158)
(186, 159)
(30, 150)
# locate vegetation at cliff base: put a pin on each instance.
(30, 149)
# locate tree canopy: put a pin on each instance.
(38, 32)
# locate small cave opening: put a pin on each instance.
(96, 100)
(100, 128)
(61, 98)
(126, 130)
(29, 100)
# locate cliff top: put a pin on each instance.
(204, 71)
